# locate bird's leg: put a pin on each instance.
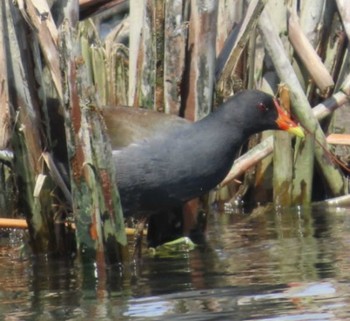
(165, 226)
(139, 228)
(195, 214)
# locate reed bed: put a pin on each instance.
(179, 57)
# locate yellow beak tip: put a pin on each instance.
(297, 131)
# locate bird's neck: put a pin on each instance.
(224, 128)
(216, 143)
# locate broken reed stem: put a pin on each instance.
(307, 54)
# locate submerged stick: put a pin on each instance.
(17, 223)
(21, 223)
(341, 201)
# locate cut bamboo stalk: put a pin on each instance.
(283, 169)
(338, 139)
(283, 162)
(308, 55)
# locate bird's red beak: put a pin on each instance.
(284, 122)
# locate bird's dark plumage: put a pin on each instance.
(189, 160)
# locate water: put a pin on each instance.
(288, 265)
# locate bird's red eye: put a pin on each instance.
(262, 107)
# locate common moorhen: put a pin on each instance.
(126, 126)
(188, 160)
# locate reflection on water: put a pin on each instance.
(289, 264)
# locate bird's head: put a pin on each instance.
(261, 111)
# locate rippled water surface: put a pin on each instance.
(287, 265)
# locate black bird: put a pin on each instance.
(188, 160)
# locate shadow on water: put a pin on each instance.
(280, 264)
